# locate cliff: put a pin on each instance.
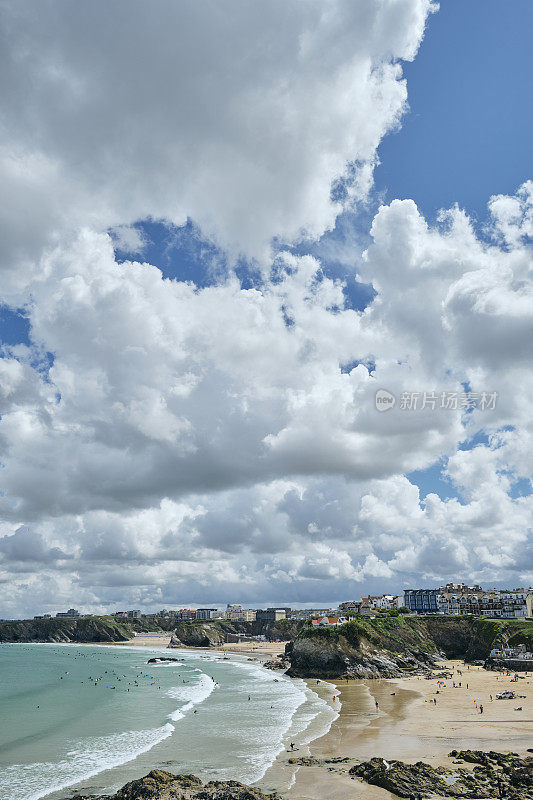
(389, 646)
(214, 633)
(196, 634)
(107, 629)
(84, 629)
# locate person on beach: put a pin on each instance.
(377, 705)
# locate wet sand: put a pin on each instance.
(409, 726)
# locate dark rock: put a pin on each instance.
(492, 772)
(277, 665)
(404, 779)
(161, 785)
(194, 634)
(333, 658)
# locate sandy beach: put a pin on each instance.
(409, 726)
(144, 640)
(262, 651)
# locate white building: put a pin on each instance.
(329, 622)
(236, 613)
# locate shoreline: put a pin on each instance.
(409, 726)
(146, 647)
(260, 651)
(406, 725)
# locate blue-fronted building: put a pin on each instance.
(422, 601)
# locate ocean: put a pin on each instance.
(93, 717)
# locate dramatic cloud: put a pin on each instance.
(213, 441)
(241, 116)
(165, 442)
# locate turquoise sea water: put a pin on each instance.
(96, 717)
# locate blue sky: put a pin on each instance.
(466, 137)
(196, 416)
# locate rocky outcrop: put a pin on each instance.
(161, 785)
(321, 657)
(281, 663)
(194, 634)
(389, 646)
(494, 775)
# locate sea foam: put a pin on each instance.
(191, 695)
(90, 757)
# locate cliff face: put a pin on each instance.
(107, 629)
(215, 633)
(389, 646)
(364, 648)
(85, 629)
(194, 634)
(473, 638)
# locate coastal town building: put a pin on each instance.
(529, 605)
(460, 599)
(136, 614)
(350, 605)
(309, 613)
(206, 613)
(385, 602)
(329, 622)
(272, 614)
(371, 604)
(72, 612)
(186, 613)
(236, 613)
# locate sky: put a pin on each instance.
(225, 240)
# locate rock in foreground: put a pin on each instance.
(493, 774)
(161, 785)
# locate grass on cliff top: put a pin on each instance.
(394, 632)
(386, 630)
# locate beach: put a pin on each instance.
(262, 651)
(91, 717)
(409, 726)
(217, 713)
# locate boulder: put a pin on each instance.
(161, 785)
